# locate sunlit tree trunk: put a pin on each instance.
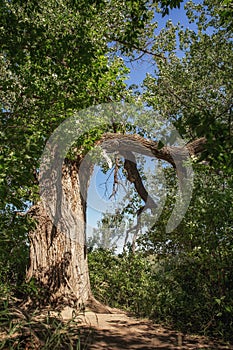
(58, 260)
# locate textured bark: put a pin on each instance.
(136, 143)
(58, 260)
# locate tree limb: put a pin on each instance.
(136, 143)
(134, 177)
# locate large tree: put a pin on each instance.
(60, 57)
(57, 58)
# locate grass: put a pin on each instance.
(22, 330)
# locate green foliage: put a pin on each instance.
(55, 60)
(59, 57)
(14, 251)
(213, 13)
(195, 259)
(185, 295)
(121, 281)
(166, 4)
(193, 89)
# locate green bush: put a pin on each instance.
(183, 292)
(190, 295)
(14, 252)
(121, 281)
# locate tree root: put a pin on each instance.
(99, 308)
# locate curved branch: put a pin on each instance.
(126, 144)
(121, 143)
(134, 177)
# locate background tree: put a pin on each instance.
(194, 90)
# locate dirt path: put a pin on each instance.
(120, 332)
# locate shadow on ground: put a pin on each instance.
(119, 332)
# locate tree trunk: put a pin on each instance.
(58, 260)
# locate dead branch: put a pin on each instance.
(133, 175)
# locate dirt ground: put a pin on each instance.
(117, 331)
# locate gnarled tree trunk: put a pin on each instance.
(58, 258)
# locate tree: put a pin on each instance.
(53, 62)
(58, 58)
(55, 59)
(195, 89)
